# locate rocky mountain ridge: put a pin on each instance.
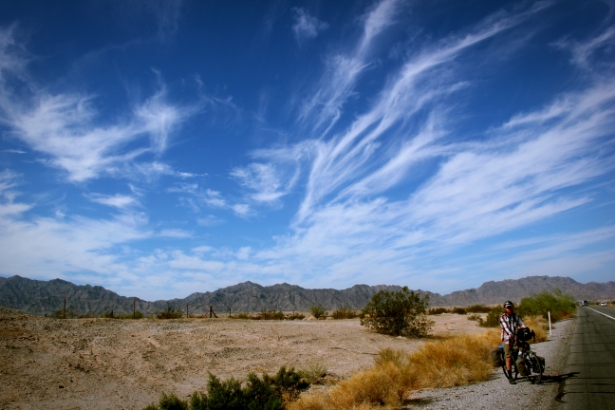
(46, 297)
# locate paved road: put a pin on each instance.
(590, 362)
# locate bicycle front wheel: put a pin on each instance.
(538, 368)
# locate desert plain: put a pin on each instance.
(126, 364)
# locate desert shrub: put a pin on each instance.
(344, 313)
(437, 311)
(560, 305)
(170, 402)
(199, 401)
(478, 309)
(539, 325)
(244, 316)
(69, 314)
(459, 311)
(224, 395)
(314, 373)
(318, 311)
(170, 313)
(288, 384)
(112, 315)
(456, 361)
(398, 313)
(388, 355)
(108, 315)
(266, 393)
(493, 318)
(271, 315)
(475, 317)
(296, 316)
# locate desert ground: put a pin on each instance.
(126, 364)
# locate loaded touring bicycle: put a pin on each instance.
(525, 362)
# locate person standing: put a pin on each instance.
(510, 322)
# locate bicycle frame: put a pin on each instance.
(532, 362)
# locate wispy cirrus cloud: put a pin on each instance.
(68, 130)
(323, 108)
(198, 197)
(519, 174)
(276, 173)
(418, 85)
(582, 52)
(306, 27)
(45, 246)
(116, 201)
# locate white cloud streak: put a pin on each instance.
(306, 27)
(66, 128)
(116, 201)
(323, 108)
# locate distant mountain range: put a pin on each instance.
(46, 297)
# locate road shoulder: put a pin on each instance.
(497, 392)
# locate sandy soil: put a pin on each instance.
(123, 364)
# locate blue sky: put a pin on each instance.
(162, 148)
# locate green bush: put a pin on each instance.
(493, 318)
(266, 393)
(318, 311)
(437, 311)
(270, 315)
(398, 313)
(560, 305)
(459, 311)
(170, 402)
(344, 313)
(111, 315)
(170, 313)
(478, 309)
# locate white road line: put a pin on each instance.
(603, 314)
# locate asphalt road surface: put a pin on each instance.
(590, 364)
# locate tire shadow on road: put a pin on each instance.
(558, 378)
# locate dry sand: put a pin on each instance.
(125, 364)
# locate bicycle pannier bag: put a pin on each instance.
(496, 356)
(541, 363)
(521, 367)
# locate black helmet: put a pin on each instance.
(508, 303)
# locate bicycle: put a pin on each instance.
(524, 360)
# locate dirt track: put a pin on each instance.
(114, 364)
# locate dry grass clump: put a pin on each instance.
(314, 372)
(539, 325)
(456, 361)
(452, 362)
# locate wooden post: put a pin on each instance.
(64, 307)
(211, 312)
(186, 311)
(134, 307)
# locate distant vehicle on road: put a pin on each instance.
(603, 304)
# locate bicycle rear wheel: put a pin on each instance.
(513, 373)
(538, 369)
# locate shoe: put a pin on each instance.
(512, 381)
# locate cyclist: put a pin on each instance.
(510, 322)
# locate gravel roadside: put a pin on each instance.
(497, 393)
